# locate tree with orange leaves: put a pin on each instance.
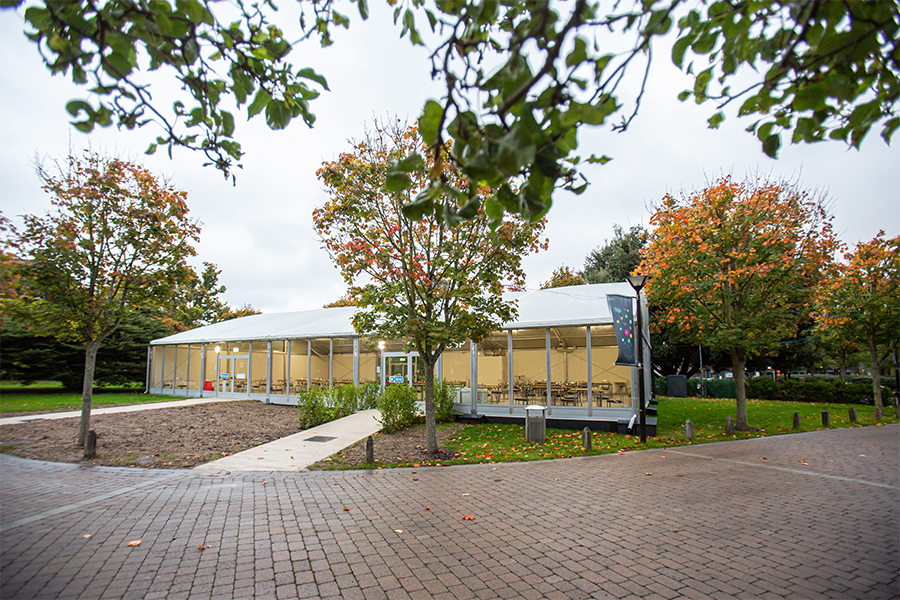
(434, 282)
(117, 238)
(859, 302)
(733, 266)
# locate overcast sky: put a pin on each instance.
(260, 232)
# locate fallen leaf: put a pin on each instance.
(334, 484)
(345, 508)
(202, 547)
(135, 542)
(764, 457)
(398, 531)
(679, 475)
(351, 531)
(863, 455)
(648, 473)
(498, 480)
(427, 508)
(465, 494)
(803, 462)
(86, 536)
(557, 479)
(415, 478)
(416, 465)
(259, 458)
(468, 518)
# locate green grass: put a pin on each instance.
(14, 399)
(493, 443)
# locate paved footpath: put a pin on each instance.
(811, 515)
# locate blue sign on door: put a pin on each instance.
(395, 379)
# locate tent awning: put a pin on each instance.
(556, 307)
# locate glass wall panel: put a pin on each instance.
(258, 363)
(318, 372)
(156, 367)
(169, 368)
(211, 362)
(299, 365)
(568, 358)
(369, 361)
(493, 368)
(195, 364)
(226, 348)
(279, 383)
(612, 383)
(342, 367)
(181, 367)
(529, 366)
(456, 366)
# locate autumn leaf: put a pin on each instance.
(86, 536)
(468, 518)
(135, 542)
(398, 531)
(427, 508)
(347, 509)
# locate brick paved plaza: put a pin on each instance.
(708, 521)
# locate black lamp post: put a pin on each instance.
(638, 282)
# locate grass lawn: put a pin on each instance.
(48, 395)
(485, 443)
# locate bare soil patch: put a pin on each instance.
(184, 437)
(404, 446)
(168, 438)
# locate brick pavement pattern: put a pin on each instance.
(708, 521)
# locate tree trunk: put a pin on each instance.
(738, 362)
(431, 445)
(876, 375)
(87, 388)
(842, 364)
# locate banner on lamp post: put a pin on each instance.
(622, 310)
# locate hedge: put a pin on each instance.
(793, 390)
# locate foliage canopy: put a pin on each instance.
(520, 77)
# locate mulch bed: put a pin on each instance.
(184, 437)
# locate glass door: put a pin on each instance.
(396, 368)
(233, 374)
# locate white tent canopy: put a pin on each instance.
(566, 306)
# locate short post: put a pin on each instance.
(852, 415)
(689, 430)
(729, 425)
(370, 450)
(826, 418)
(90, 444)
(586, 438)
(796, 421)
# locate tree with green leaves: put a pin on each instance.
(521, 78)
(563, 277)
(617, 258)
(197, 301)
(734, 267)
(858, 302)
(432, 282)
(115, 239)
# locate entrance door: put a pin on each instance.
(233, 374)
(406, 368)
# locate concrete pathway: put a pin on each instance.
(114, 409)
(809, 515)
(298, 451)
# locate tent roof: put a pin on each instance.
(567, 306)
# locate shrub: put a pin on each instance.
(343, 400)
(313, 408)
(444, 396)
(398, 407)
(367, 396)
(831, 390)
